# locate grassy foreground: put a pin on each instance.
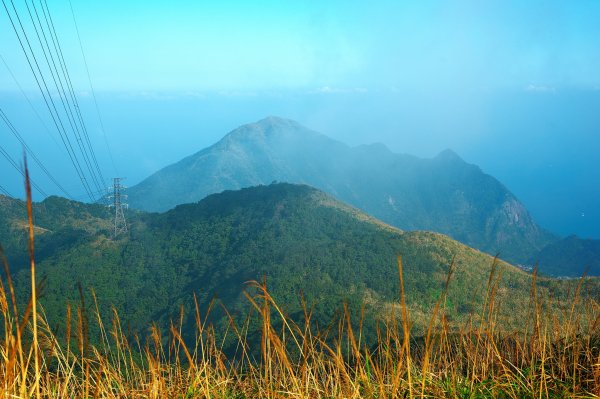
(555, 354)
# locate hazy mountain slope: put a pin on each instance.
(570, 257)
(443, 194)
(300, 239)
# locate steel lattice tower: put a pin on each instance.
(120, 224)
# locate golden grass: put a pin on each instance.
(555, 355)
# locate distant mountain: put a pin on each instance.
(570, 257)
(299, 238)
(443, 194)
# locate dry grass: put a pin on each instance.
(555, 355)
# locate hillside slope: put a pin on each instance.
(58, 223)
(299, 238)
(570, 257)
(443, 194)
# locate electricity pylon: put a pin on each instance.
(120, 224)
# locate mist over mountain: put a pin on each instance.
(582, 254)
(442, 194)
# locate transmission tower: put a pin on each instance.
(120, 225)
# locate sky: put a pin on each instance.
(511, 86)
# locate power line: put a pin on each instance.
(112, 160)
(63, 84)
(119, 223)
(58, 83)
(103, 194)
(58, 50)
(5, 192)
(20, 170)
(46, 129)
(48, 98)
(14, 131)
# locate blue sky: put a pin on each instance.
(271, 45)
(512, 86)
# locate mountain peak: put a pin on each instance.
(273, 130)
(270, 126)
(448, 155)
(274, 125)
(271, 121)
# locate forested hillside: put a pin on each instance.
(298, 238)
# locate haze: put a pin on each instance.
(510, 86)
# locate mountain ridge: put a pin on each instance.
(443, 194)
(299, 238)
(554, 256)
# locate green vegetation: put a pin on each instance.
(475, 359)
(301, 240)
(455, 324)
(60, 224)
(443, 194)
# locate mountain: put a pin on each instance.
(570, 257)
(443, 194)
(299, 238)
(58, 223)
